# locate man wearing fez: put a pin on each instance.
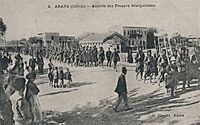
(121, 90)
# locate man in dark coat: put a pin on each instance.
(115, 58)
(121, 90)
(108, 56)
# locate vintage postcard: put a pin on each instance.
(99, 62)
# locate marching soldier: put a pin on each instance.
(162, 64)
(139, 59)
(148, 65)
(130, 57)
(87, 57)
(108, 57)
(101, 56)
(171, 77)
(115, 58)
(183, 63)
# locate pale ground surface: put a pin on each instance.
(92, 96)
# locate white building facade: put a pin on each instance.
(137, 35)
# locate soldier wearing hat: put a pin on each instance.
(108, 57)
(115, 58)
(171, 77)
(148, 65)
(162, 64)
(139, 59)
(183, 63)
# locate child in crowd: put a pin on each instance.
(55, 77)
(61, 77)
(68, 77)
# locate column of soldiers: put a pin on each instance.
(83, 56)
(173, 64)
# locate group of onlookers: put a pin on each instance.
(57, 76)
(19, 95)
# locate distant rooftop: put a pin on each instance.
(97, 37)
(134, 26)
(100, 37)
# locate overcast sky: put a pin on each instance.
(25, 18)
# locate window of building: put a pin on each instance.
(124, 32)
(145, 32)
(52, 38)
(128, 33)
(140, 42)
(133, 42)
(143, 42)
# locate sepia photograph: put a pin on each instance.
(99, 62)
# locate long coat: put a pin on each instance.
(121, 85)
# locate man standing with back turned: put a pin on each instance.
(121, 90)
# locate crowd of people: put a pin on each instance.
(165, 65)
(19, 94)
(57, 76)
(82, 56)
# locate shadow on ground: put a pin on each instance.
(73, 85)
(103, 114)
(79, 84)
(58, 92)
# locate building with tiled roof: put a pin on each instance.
(105, 40)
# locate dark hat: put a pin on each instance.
(31, 75)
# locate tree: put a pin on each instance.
(3, 27)
(151, 36)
